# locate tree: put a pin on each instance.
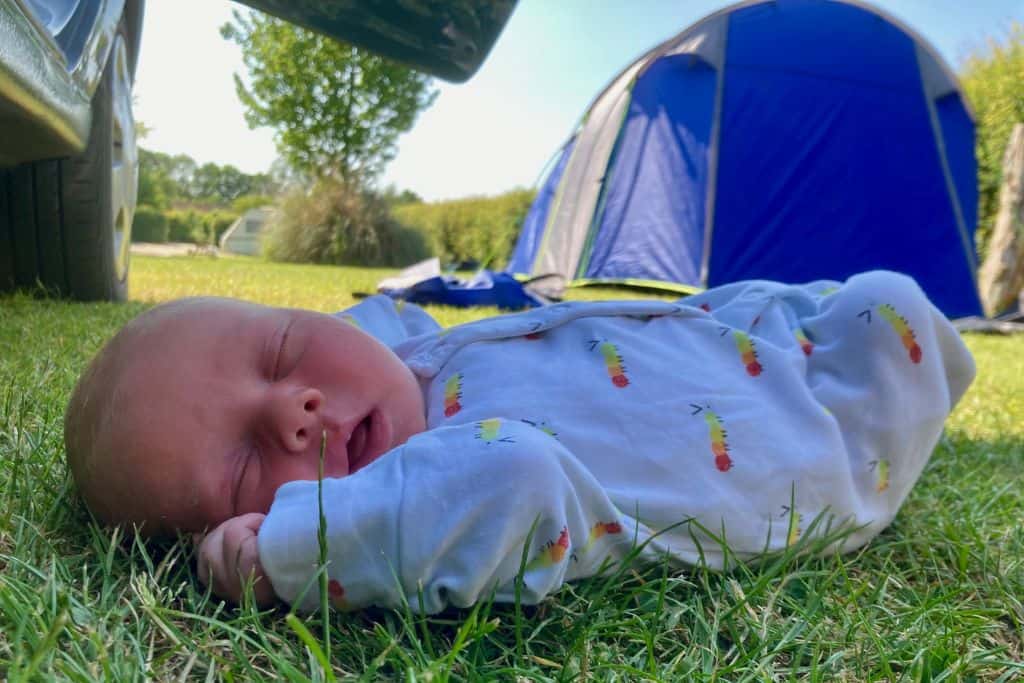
(166, 180)
(156, 187)
(395, 197)
(181, 168)
(1001, 276)
(336, 110)
(994, 81)
(224, 182)
(287, 177)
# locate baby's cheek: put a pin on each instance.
(291, 468)
(256, 499)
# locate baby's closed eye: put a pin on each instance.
(276, 367)
(245, 462)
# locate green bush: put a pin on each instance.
(188, 225)
(149, 224)
(340, 224)
(251, 201)
(993, 79)
(477, 229)
(184, 226)
(216, 224)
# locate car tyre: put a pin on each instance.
(68, 221)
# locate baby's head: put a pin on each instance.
(199, 409)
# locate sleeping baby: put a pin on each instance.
(709, 430)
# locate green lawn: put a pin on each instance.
(938, 596)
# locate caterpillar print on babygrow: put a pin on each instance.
(543, 426)
(795, 524)
(716, 431)
(612, 360)
(748, 352)
(900, 326)
(881, 469)
(599, 530)
(805, 343)
(553, 551)
(534, 334)
(336, 593)
(452, 394)
(489, 430)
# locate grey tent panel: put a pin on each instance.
(570, 221)
(572, 216)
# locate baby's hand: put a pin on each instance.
(228, 557)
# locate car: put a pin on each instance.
(68, 154)
(68, 158)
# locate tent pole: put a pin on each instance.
(709, 202)
(947, 174)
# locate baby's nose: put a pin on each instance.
(298, 419)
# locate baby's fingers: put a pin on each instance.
(229, 555)
(249, 566)
(250, 520)
(240, 554)
(209, 562)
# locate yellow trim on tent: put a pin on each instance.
(638, 282)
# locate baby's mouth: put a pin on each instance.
(358, 443)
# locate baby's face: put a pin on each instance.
(225, 401)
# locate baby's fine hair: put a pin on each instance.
(93, 408)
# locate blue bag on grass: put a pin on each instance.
(486, 288)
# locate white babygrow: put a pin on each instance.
(732, 418)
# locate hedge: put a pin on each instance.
(475, 230)
(149, 225)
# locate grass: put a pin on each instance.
(938, 596)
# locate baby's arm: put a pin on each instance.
(447, 517)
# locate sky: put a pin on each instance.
(497, 131)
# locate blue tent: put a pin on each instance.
(781, 139)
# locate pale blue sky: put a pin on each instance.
(498, 130)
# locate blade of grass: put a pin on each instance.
(310, 642)
(321, 536)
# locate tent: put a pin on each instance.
(789, 140)
(245, 234)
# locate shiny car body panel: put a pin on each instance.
(447, 38)
(50, 65)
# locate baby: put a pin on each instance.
(712, 429)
